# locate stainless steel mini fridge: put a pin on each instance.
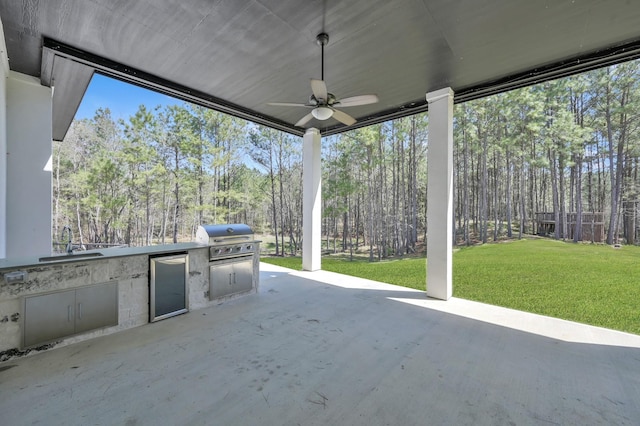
(168, 286)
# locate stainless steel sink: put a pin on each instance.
(67, 257)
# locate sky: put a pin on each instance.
(123, 99)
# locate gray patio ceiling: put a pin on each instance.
(238, 55)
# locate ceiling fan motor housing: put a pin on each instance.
(331, 99)
(322, 39)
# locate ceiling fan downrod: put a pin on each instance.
(322, 39)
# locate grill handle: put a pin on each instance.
(230, 240)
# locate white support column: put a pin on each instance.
(440, 194)
(311, 200)
(28, 196)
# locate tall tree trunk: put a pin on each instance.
(56, 198)
(176, 213)
(413, 188)
(274, 210)
(403, 197)
(281, 198)
(149, 230)
(465, 185)
(561, 192)
(382, 194)
(496, 210)
(176, 192)
(508, 195)
(163, 227)
(555, 189)
(370, 214)
(345, 225)
(577, 232)
(616, 161)
(522, 199)
(482, 136)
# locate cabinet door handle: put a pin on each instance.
(229, 279)
(69, 313)
(234, 277)
(79, 310)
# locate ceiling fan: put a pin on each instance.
(324, 104)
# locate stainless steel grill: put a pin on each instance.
(233, 258)
(227, 240)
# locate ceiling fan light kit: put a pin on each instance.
(324, 104)
(322, 113)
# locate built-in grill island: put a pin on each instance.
(233, 259)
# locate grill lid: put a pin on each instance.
(218, 234)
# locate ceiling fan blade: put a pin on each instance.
(290, 104)
(342, 117)
(357, 100)
(304, 120)
(319, 89)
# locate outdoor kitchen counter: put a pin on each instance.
(118, 274)
(84, 256)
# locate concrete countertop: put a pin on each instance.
(107, 253)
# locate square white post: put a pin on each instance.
(29, 127)
(311, 200)
(440, 194)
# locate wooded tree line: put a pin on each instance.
(566, 146)
(155, 177)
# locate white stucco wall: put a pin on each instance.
(4, 71)
(28, 186)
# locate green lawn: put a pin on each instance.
(593, 284)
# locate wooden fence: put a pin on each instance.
(592, 225)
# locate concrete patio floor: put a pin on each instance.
(325, 349)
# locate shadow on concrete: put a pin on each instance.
(305, 350)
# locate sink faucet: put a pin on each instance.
(67, 230)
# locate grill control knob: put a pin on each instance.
(249, 247)
(230, 249)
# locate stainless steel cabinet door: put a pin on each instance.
(56, 315)
(96, 306)
(220, 280)
(231, 276)
(242, 276)
(48, 317)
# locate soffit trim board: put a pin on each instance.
(46, 67)
(606, 57)
(4, 55)
(143, 79)
(602, 58)
(576, 65)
